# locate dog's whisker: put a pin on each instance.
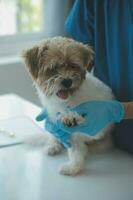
(50, 85)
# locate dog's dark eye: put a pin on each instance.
(53, 71)
(74, 66)
(50, 72)
(54, 68)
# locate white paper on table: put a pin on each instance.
(22, 127)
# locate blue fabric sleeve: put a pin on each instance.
(79, 23)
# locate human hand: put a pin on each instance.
(97, 114)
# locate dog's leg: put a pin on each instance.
(77, 157)
(71, 119)
(52, 147)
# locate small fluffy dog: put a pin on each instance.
(59, 68)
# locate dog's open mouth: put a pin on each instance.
(62, 94)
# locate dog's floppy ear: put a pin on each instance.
(88, 55)
(31, 57)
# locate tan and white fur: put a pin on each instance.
(60, 69)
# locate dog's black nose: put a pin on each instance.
(67, 83)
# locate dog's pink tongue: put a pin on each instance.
(62, 94)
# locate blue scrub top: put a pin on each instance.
(107, 25)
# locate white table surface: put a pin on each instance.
(31, 175)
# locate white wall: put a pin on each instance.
(55, 14)
(15, 79)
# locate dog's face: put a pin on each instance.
(58, 65)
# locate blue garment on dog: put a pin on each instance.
(54, 129)
(107, 25)
(110, 111)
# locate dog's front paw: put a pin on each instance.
(69, 169)
(71, 119)
(53, 149)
